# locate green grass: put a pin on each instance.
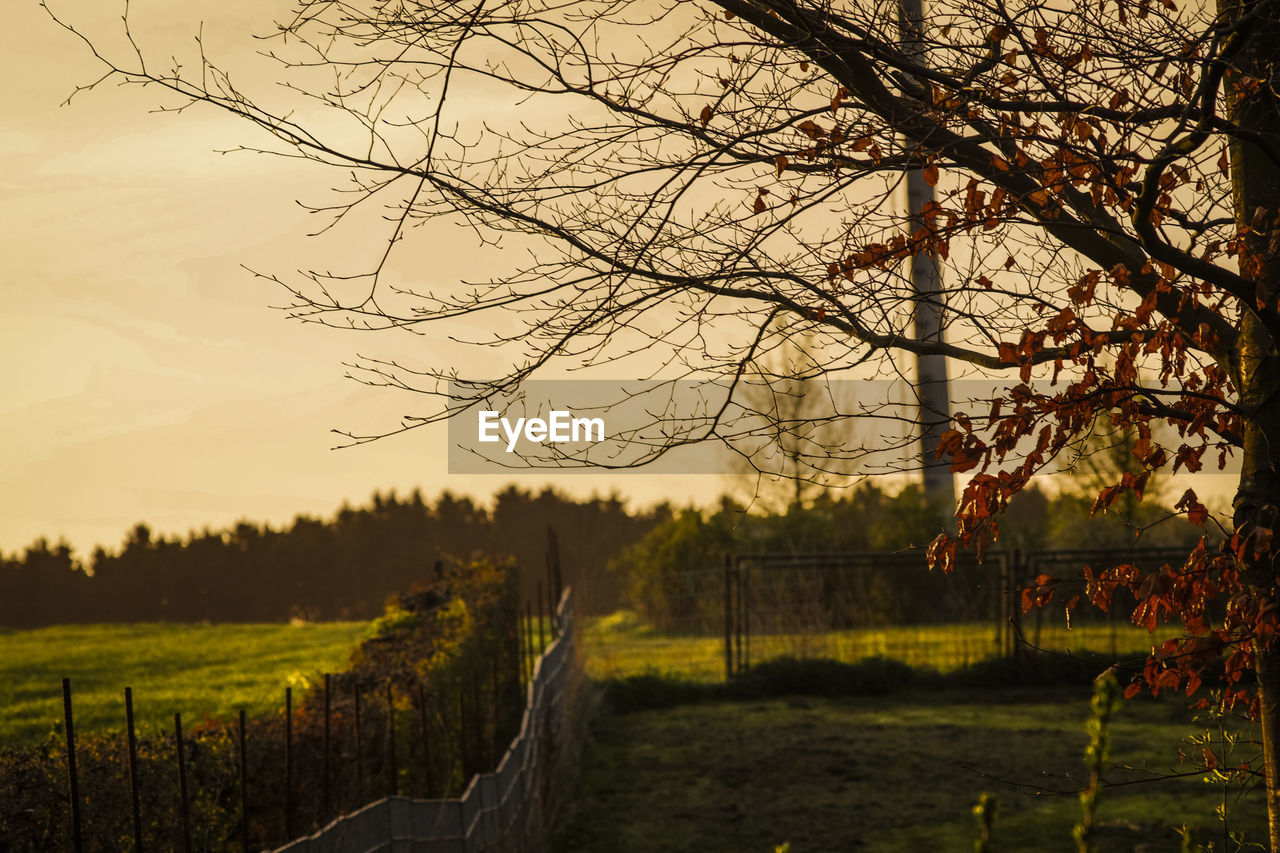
(622, 645)
(191, 669)
(877, 773)
(888, 773)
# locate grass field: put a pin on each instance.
(191, 669)
(621, 645)
(890, 773)
(899, 772)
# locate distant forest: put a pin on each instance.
(345, 567)
(342, 567)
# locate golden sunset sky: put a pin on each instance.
(147, 377)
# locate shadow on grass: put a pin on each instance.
(873, 676)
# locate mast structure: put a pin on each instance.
(933, 399)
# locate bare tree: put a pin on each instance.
(677, 174)
(786, 459)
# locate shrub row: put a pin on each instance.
(431, 699)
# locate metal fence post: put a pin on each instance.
(133, 769)
(183, 802)
(744, 591)
(424, 720)
(553, 566)
(542, 639)
(1002, 612)
(739, 611)
(288, 764)
(527, 638)
(244, 787)
(392, 781)
(73, 782)
(355, 700)
(324, 769)
(728, 618)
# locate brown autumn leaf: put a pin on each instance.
(810, 129)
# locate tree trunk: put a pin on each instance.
(1256, 180)
(1255, 508)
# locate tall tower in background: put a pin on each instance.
(931, 370)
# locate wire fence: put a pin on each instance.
(510, 810)
(713, 623)
(383, 728)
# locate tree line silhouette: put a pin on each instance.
(342, 567)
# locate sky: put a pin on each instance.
(147, 376)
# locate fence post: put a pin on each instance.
(542, 639)
(324, 769)
(288, 764)
(728, 618)
(355, 700)
(1002, 612)
(182, 785)
(526, 647)
(739, 611)
(744, 580)
(463, 739)
(426, 741)
(133, 769)
(1015, 606)
(482, 823)
(553, 566)
(244, 788)
(495, 685)
(528, 634)
(392, 782)
(519, 661)
(476, 725)
(73, 782)
(553, 628)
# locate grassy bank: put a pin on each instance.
(622, 645)
(192, 669)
